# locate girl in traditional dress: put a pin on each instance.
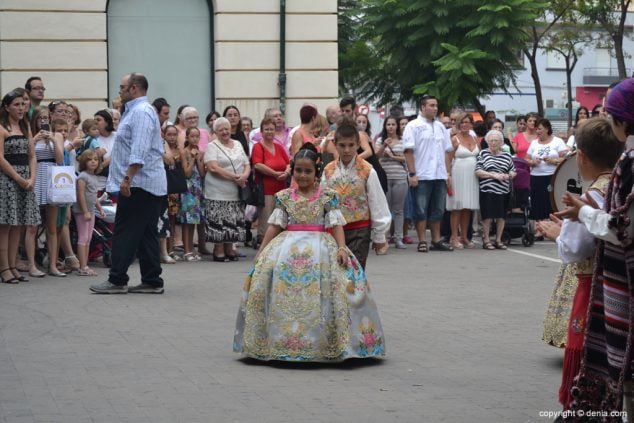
(598, 150)
(307, 298)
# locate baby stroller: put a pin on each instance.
(101, 233)
(518, 224)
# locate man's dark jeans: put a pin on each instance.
(136, 233)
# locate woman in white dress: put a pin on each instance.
(462, 193)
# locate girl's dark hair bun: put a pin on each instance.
(308, 151)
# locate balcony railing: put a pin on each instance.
(601, 76)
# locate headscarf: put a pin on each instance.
(620, 104)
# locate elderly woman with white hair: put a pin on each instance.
(495, 169)
(190, 118)
(227, 171)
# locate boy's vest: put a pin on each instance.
(352, 190)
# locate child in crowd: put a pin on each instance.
(307, 295)
(170, 135)
(91, 132)
(190, 213)
(598, 150)
(49, 147)
(363, 202)
(70, 263)
(83, 209)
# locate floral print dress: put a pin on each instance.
(190, 212)
(298, 303)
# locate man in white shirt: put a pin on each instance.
(427, 151)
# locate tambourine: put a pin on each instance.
(566, 179)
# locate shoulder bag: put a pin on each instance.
(244, 193)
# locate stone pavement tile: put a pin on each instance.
(461, 334)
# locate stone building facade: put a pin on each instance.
(208, 53)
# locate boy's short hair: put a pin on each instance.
(58, 122)
(84, 157)
(346, 128)
(598, 142)
(87, 124)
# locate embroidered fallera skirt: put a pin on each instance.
(299, 304)
(559, 307)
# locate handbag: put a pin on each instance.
(244, 193)
(176, 180)
(257, 186)
(62, 183)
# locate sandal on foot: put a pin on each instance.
(422, 247)
(57, 274)
(72, 263)
(19, 278)
(500, 246)
(468, 244)
(86, 271)
(189, 257)
(440, 246)
(11, 280)
(488, 245)
(457, 245)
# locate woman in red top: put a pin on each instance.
(523, 140)
(272, 168)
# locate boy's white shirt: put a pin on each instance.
(380, 215)
(575, 242)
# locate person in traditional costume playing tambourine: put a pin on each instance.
(607, 363)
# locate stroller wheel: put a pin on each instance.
(528, 240)
(506, 238)
(107, 259)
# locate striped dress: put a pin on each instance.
(45, 155)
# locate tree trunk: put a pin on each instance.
(620, 56)
(479, 107)
(532, 59)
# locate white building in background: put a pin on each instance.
(205, 53)
(595, 70)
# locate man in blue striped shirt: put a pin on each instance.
(138, 174)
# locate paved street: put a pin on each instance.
(463, 337)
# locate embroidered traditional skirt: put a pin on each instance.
(558, 313)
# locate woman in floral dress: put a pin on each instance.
(307, 298)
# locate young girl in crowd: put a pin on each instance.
(390, 149)
(83, 209)
(173, 200)
(190, 213)
(70, 263)
(598, 150)
(49, 151)
(307, 298)
(363, 202)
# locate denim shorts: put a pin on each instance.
(428, 200)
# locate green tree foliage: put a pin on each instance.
(458, 50)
